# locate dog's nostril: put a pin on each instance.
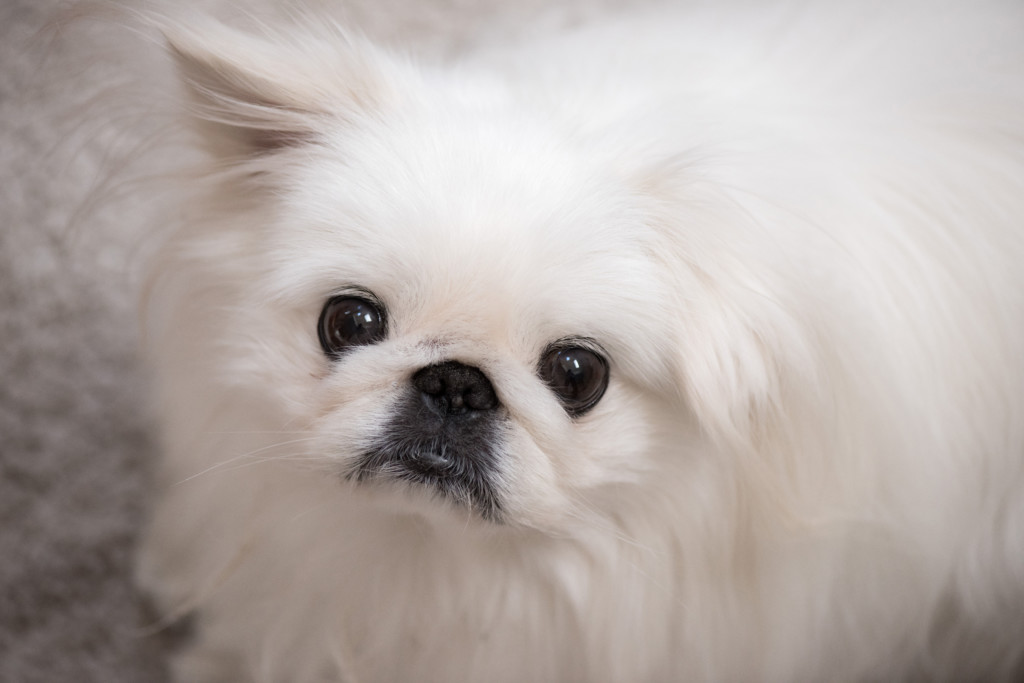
(453, 388)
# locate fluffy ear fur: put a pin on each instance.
(254, 95)
(732, 339)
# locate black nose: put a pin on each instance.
(452, 388)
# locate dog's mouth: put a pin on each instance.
(451, 478)
(457, 459)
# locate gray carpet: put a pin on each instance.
(75, 442)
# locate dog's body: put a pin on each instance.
(790, 241)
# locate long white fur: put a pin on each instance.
(797, 230)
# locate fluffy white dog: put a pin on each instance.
(687, 347)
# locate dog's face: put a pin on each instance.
(462, 299)
(464, 327)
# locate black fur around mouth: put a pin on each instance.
(452, 456)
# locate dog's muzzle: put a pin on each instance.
(444, 434)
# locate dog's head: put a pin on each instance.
(467, 289)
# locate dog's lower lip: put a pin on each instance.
(432, 460)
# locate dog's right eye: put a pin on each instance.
(348, 321)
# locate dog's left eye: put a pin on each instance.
(348, 321)
(577, 375)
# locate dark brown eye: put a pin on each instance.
(577, 375)
(348, 321)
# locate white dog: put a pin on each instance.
(687, 347)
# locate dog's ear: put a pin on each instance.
(252, 95)
(740, 357)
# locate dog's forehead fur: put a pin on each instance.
(505, 256)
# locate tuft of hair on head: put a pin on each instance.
(251, 94)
